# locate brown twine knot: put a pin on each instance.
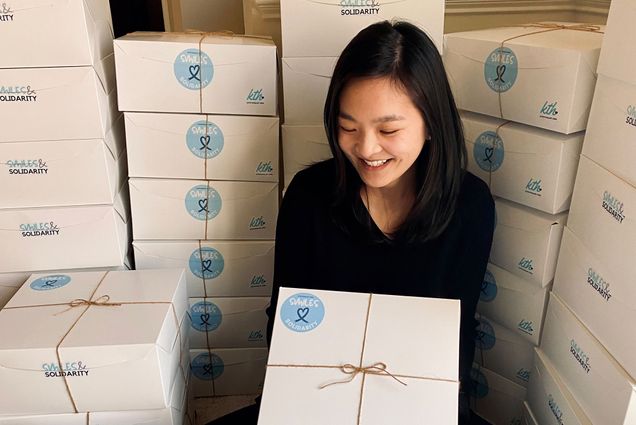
(101, 301)
(353, 371)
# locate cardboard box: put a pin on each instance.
(11, 282)
(309, 350)
(549, 398)
(603, 389)
(60, 173)
(101, 370)
(527, 417)
(174, 414)
(618, 52)
(503, 351)
(601, 217)
(57, 103)
(542, 78)
(64, 237)
(196, 209)
(215, 268)
(166, 72)
(495, 398)
(514, 302)
(324, 28)
(234, 371)
(305, 85)
(39, 33)
(611, 130)
(215, 147)
(523, 164)
(600, 298)
(228, 322)
(303, 145)
(526, 241)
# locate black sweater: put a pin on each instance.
(313, 252)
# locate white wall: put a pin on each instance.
(213, 15)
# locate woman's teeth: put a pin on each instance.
(375, 163)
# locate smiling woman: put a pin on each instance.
(394, 212)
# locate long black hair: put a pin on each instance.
(403, 53)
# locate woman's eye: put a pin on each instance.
(388, 132)
(347, 130)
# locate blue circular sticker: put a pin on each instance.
(205, 316)
(193, 69)
(302, 312)
(206, 263)
(205, 139)
(479, 384)
(203, 202)
(489, 151)
(47, 283)
(501, 69)
(485, 337)
(488, 287)
(207, 366)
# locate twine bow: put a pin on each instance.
(353, 371)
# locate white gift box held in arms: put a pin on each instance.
(347, 356)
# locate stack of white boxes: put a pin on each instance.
(107, 348)
(201, 118)
(63, 203)
(314, 34)
(588, 345)
(540, 79)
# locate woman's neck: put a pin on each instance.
(389, 206)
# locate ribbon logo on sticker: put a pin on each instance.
(501, 70)
(302, 313)
(194, 72)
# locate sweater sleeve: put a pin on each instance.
(478, 227)
(293, 243)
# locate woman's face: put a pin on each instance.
(380, 131)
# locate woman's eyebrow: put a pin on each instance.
(346, 116)
(389, 118)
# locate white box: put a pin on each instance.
(516, 303)
(324, 28)
(11, 282)
(526, 241)
(523, 164)
(598, 383)
(527, 417)
(303, 145)
(214, 268)
(601, 218)
(618, 52)
(59, 173)
(195, 209)
(228, 322)
(47, 33)
(132, 368)
(503, 351)
(63, 237)
(548, 397)
(611, 130)
(234, 371)
(305, 85)
(166, 72)
(217, 147)
(545, 79)
(174, 414)
(308, 336)
(600, 298)
(495, 398)
(57, 103)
